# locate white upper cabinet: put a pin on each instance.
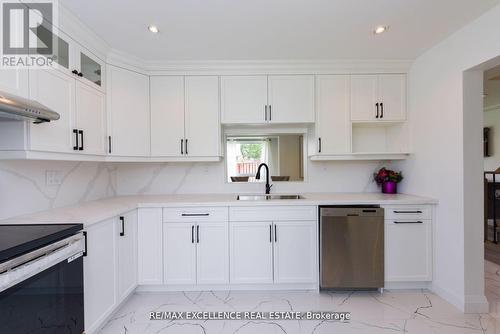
(333, 126)
(14, 81)
(90, 119)
(56, 136)
(244, 99)
(291, 99)
(378, 97)
(90, 69)
(202, 126)
(128, 112)
(167, 116)
(185, 116)
(264, 99)
(392, 95)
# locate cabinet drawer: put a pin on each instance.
(273, 213)
(408, 212)
(195, 214)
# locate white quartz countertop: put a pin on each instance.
(89, 213)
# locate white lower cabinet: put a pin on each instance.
(127, 254)
(179, 253)
(251, 252)
(408, 245)
(273, 252)
(150, 246)
(99, 274)
(110, 267)
(195, 253)
(295, 252)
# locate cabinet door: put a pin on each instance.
(364, 96)
(333, 126)
(295, 252)
(126, 234)
(150, 246)
(251, 252)
(408, 250)
(179, 253)
(14, 81)
(56, 91)
(202, 116)
(392, 93)
(90, 67)
(244, 99)
(212, 253)
(167, 115)
(128, 112)
(99, 274)
(291, 99)
(90, 118)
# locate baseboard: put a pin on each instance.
(467, 304)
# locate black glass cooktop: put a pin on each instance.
(16, 240)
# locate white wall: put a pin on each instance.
(23, 187)
(492, 120)
(448, 149)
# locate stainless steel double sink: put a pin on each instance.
(268, 197)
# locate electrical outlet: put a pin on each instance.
(53, 177)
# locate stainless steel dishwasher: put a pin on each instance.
(351, 247)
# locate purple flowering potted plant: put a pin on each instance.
(388, 180)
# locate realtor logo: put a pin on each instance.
(27, 36)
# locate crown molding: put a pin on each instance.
(228, 67)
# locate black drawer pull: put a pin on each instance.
(416, 222)
(418, 211)
(122, 220)
(195, 214)
(85, 237)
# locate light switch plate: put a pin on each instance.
(53, 177)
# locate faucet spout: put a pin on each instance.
(257, 176)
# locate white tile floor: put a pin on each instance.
(418, 312)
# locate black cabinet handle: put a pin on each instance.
(270, 233)
(75, 148)
(195, 214)
(182, 146)
(197, 234)
(109, 144)
(85, 243)
(270, 113)
(416, 222)
(265, 112)
(381, 110)
(81, 143)
(377, 105)
(192, 234)
(417, 211)
(80, 74)
(275, 234)
(74, 72)
(122, 220)
(186, 141)
(319, 145)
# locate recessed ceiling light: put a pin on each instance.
(154, 29)
(380, 30)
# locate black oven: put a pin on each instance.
(42, 290)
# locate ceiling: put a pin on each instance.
(275, 29)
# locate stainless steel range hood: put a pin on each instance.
(17, 108)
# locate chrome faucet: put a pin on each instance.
(257, 177)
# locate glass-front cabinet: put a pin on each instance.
(89, 67)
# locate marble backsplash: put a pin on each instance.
(186, 178)
(23, 186)
(24, 189)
